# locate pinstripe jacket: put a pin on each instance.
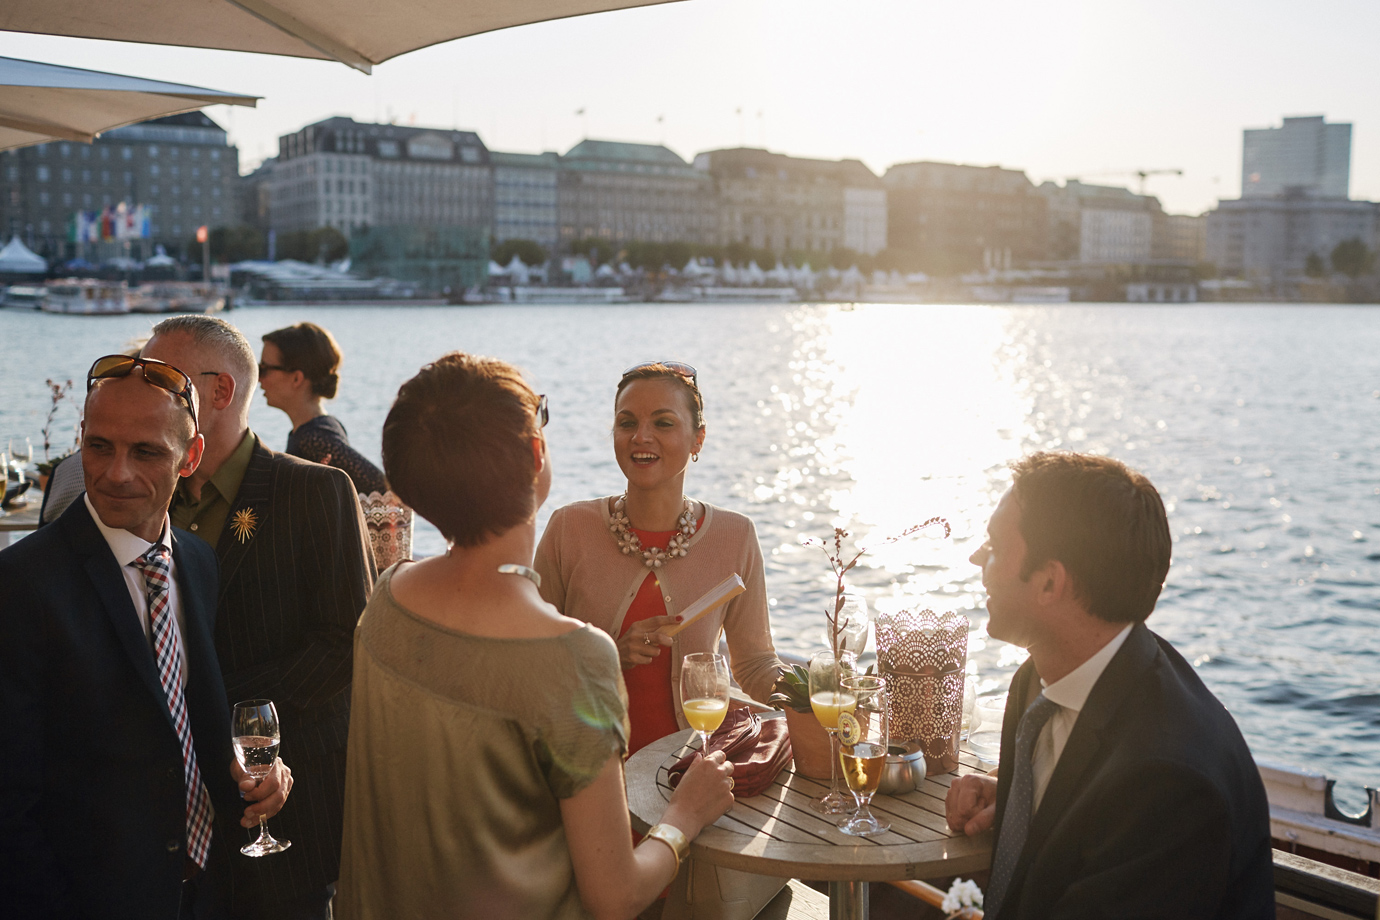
(294, 578)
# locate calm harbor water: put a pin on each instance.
(1259, 424)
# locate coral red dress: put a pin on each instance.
(651, 706)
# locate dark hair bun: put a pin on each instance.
(326, 386)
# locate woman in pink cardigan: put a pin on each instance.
(630, 563)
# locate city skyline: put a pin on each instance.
(1069, 90)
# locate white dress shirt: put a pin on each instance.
(1070, 692)
(127, 548)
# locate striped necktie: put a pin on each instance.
(1015, 823)
(167, 650)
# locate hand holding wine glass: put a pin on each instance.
(704, 686)
(256, 737)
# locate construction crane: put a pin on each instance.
(1141, 174)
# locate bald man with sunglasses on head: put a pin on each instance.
(115, 755)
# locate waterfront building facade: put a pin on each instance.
(254, 196)
(1271, 239)
(624, 192)
(349, 175)
(1180, 237)
(1305, 156)
(525, 197)
(783, 203)
(1099, 224)
(949, 218)
(181, 168)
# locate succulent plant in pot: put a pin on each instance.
(809, 740)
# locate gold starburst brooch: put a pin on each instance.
(243, 523)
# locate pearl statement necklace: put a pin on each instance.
(653, 558)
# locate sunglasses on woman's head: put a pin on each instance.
(677, 367)
(159, 373)
(543, 410)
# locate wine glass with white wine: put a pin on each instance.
(863, 738)
(254, 726)
(704, 693)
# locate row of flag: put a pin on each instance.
(114, 222)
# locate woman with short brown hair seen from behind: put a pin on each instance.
(298, 372)
(487, 731)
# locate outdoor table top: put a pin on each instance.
(778, 833)
(22, 517)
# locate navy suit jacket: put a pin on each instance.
(1155, 808)
(92, 802)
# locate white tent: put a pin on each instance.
(779, 274)
(360, 33)
(694, 269)
(516, 270)
(18, 259)
(728, 273)
(160, 258)
(753, 274)
(44, 102)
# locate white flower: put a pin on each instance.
(962, 894)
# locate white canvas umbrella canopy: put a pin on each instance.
(45, 102)
(360, 33)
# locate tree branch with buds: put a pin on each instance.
(842, 568)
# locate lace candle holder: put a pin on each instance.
(389, 523)
(924, 656)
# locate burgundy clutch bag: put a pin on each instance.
(758, 747)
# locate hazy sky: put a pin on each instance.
(1059, 88)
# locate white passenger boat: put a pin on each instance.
(177, 297)
(87, 297)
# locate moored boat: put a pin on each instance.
(177, 297)
(86, 297)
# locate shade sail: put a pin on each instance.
(45, 102)
(360, 33)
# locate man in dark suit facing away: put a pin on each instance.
(1126, 789)
(295, 573)
(115, 752)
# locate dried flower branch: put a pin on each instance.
(842, 568)
(56, 394)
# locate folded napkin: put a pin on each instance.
(758, 748)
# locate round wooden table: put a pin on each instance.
(777, 833)
(20, 519)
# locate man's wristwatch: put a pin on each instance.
(673, 838)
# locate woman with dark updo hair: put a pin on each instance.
(298, 374)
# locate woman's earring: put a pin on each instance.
(694, 458)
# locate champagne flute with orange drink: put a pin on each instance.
(829, 700)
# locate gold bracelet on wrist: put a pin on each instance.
(673, 838)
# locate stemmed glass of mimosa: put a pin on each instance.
(829, 700)
(704, 693)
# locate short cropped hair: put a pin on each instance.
(221, 337)
(661, 372)
(308, 348)
(1104, 521)
(457, 447)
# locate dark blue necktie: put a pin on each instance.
(1015, 823)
